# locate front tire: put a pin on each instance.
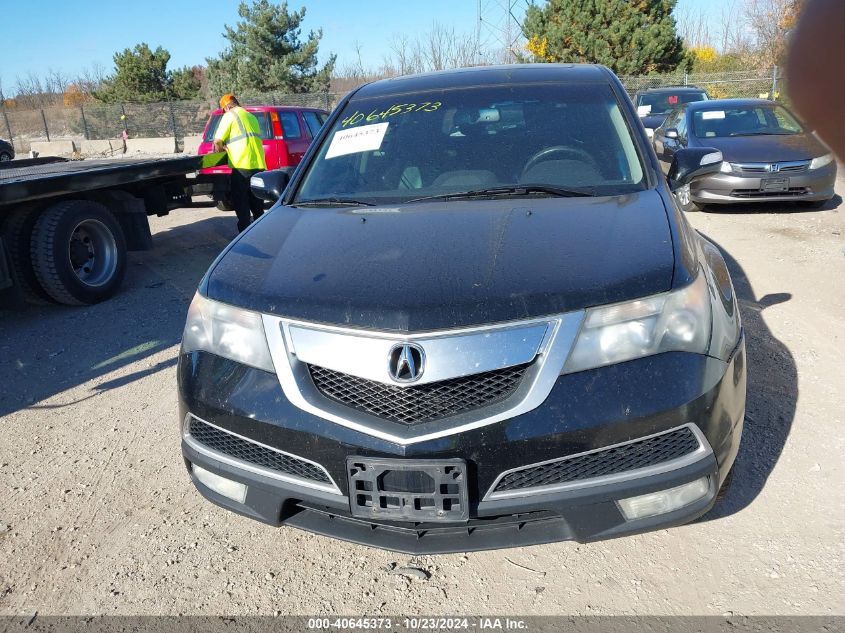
(78, 252)
(5, 157)
(685, 201)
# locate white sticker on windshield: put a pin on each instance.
(357, 139)
(713, 114)
(643, 110)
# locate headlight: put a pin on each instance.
(821, 161)
(668, 322)
(726, 167)
(226, 331)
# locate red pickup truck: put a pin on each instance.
(286, 133)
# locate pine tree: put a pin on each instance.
(140, 75)
(265, 54)
(631, 37)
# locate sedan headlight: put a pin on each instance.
(227, 331)
(821, 161)
(672, 321)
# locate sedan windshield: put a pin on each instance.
(663, 102)
(745, 121)
(521, 140)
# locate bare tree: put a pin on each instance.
(770, 21)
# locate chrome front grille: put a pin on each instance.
(418, 403)
(783, 167)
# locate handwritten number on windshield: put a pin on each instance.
(396, 109)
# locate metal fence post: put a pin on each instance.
(84, 123)
(46, 129)
(172, 120)
(8, 127)
(686, 77)
(123, 120)
(774, 81)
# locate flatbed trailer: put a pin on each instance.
(66, 226)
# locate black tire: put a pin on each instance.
(5, 156)
(723, 491)
(225, 204)
(78, 252)
(17, 235)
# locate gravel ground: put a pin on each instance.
(97, 515)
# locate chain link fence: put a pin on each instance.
(104, 121)
(724, 85)
(180, 119)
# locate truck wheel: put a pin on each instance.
(17, 233)
(78, 252)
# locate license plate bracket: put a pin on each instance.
(774, 184)
(407, 489)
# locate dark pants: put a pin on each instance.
(243, 200)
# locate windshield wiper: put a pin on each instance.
(328, 202)
(512, 190)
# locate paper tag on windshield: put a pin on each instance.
(643, 110)
(357, 139)
(713, 114)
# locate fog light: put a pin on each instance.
(664, 501)
(222, 486)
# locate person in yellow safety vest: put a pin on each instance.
(239, 134)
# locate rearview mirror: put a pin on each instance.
(269, 185)
(693, 162)
(671, 133)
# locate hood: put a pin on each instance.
(767, 149)
(430, 266)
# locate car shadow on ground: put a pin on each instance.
(772, 207)
(46, 350)
(771, 398)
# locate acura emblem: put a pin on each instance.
(406, 362)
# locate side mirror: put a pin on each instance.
(693, 162)
(269, 185)
(671, 133)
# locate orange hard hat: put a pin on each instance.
(226, 99)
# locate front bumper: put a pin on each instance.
(733, 188)
(585, 411)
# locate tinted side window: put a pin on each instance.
(211, 128)
(290, 125)
(312, 121)
(264, 124)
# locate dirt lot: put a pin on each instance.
(97, 515)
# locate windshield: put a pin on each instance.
(403, 147)
(663, 102)
(745, 121)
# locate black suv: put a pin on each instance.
(475, 318)
(7, 151)
(654, 104)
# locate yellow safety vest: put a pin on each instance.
(240, 132)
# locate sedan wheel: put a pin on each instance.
(684, 199)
